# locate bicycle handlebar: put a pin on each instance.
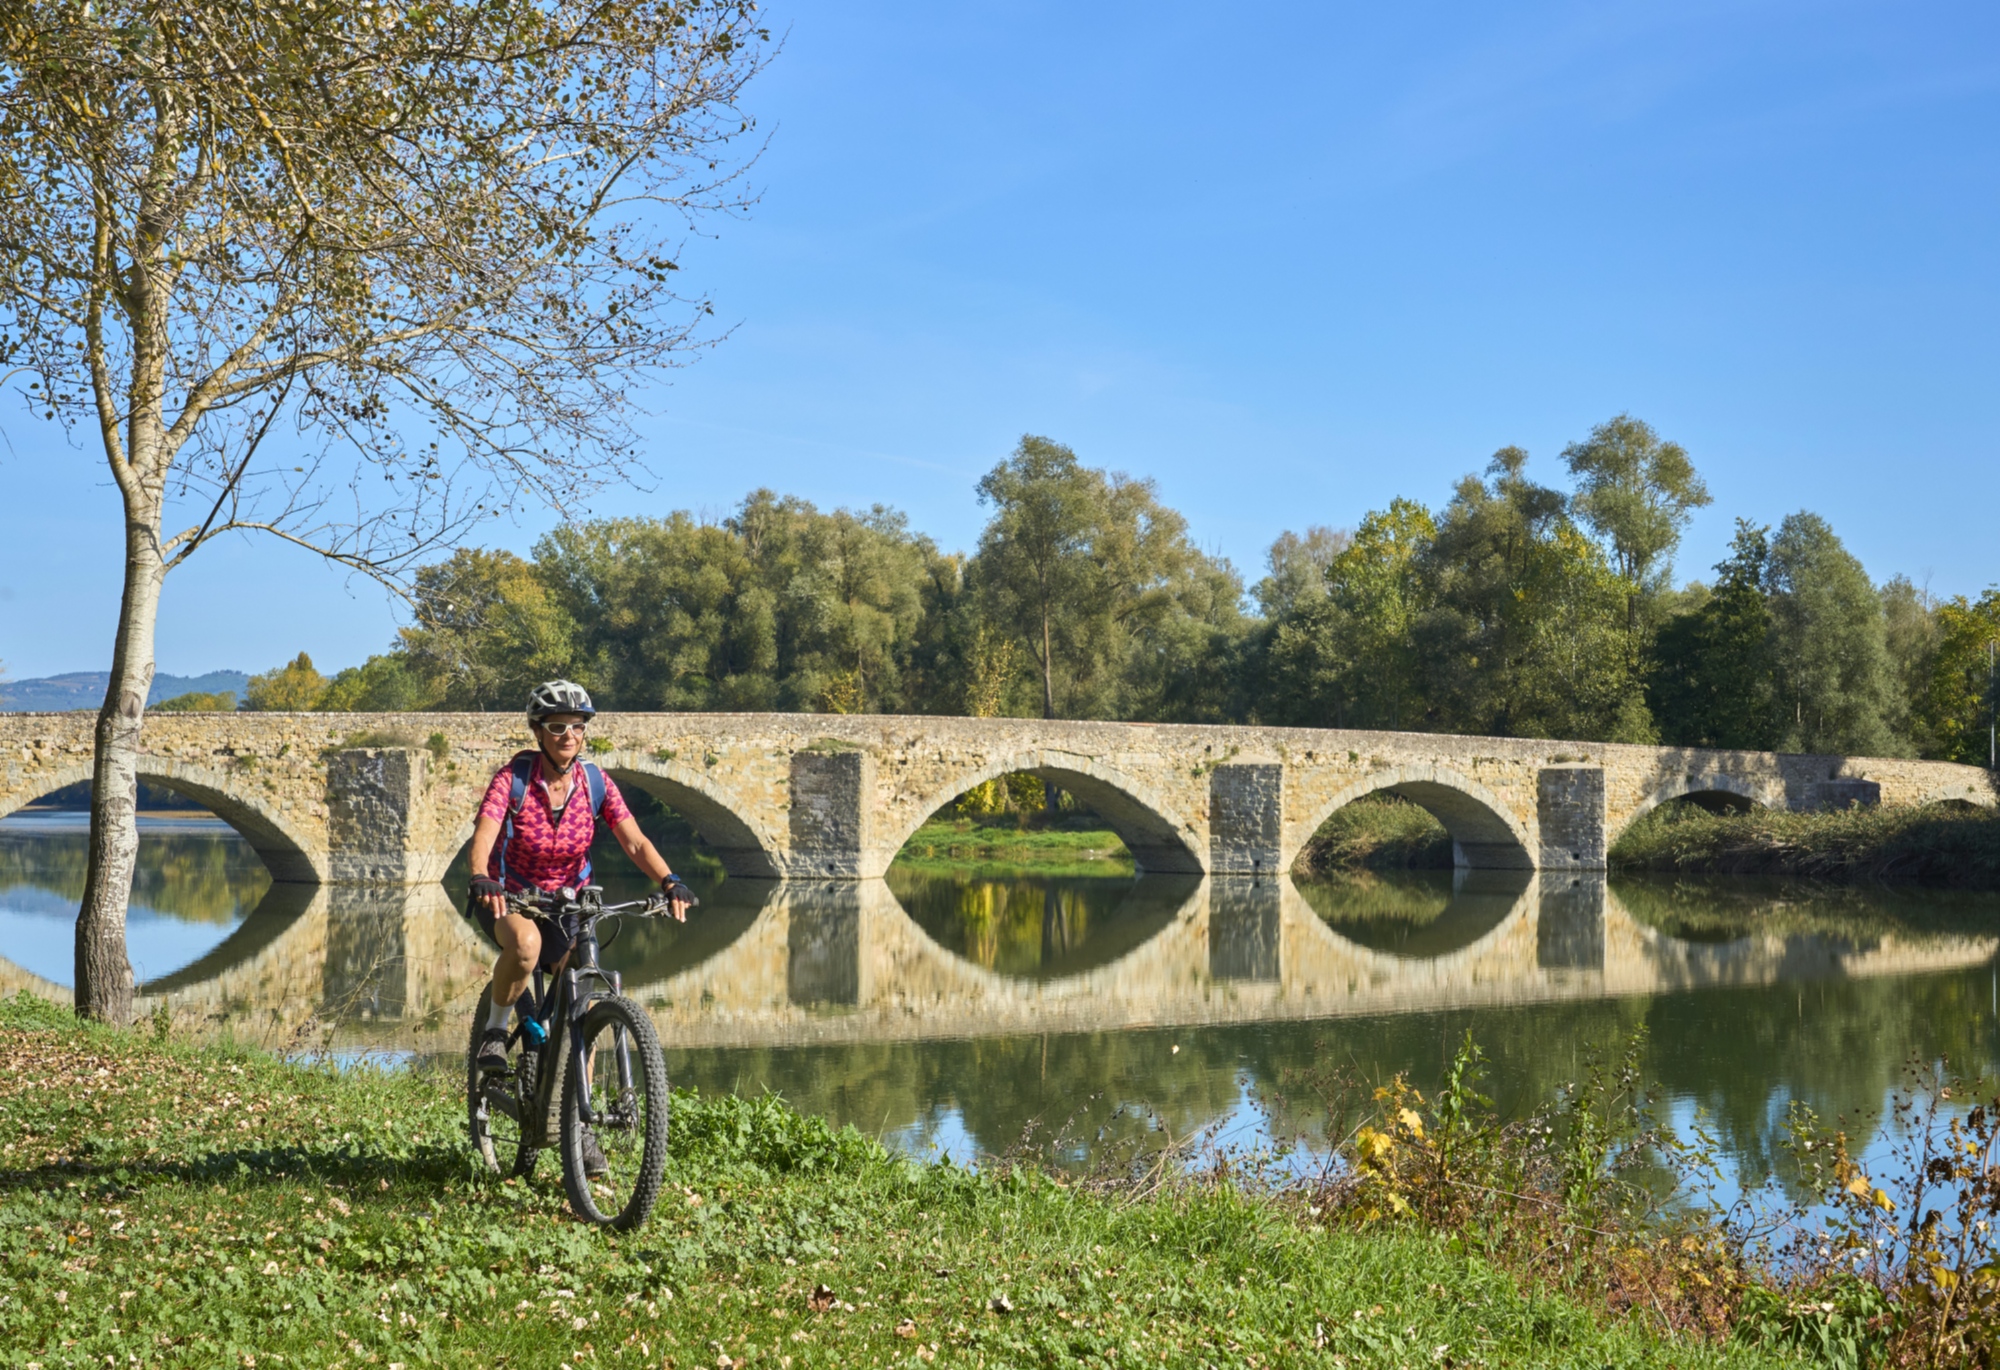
(585, 902)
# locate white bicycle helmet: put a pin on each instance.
(559, 697)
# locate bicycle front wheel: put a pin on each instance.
(612, 1165)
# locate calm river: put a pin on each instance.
(950, 1011)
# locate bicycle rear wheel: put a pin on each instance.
(626, 1081)
(498, 1104)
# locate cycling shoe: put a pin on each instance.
(493, 1049)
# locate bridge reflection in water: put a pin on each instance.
(794, 963)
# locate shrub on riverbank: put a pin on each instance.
(1378, 832)
(1591, 1193)
(1934, 844)
(188, 1206)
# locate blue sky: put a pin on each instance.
(1290, 261)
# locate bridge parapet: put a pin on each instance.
(389, 798)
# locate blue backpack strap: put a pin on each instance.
(517, 794)
(594, 778)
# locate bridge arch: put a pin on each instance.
(1139, 966)
(742, 844)
(1475, 909)
(1484, 835)
(1080, 929)
(1504, 930)
(1143, 821)
(278, 913)
(717, 815)
(1694, 785)
(286, 852)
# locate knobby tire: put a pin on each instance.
(631, 1132)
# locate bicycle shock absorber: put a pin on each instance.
(534, 1032)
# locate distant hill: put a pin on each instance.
(85, 689)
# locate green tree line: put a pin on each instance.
(1516, 608)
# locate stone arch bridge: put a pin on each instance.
(388, 798)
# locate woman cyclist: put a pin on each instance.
(533, 834)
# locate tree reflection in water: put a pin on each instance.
(1417, 914)
(1740, 1055)
(1039, 927)
(1726, 909)
(196, 880)
(1805, 998)
(1739, 1052)
(195, 870)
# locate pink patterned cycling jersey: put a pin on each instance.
(547, 852)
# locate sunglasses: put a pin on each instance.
(564, 729)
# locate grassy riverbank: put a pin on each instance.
(167, 1205)
(972, 847)
(1933, 845)
(1378, 832)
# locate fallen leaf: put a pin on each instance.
(820, 1299)
(906, 1328)
(1001, 1304)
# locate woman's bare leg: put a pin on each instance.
(520, 944)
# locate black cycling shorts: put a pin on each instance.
(557, 939)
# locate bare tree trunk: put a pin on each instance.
(1048, 672)
(103, 972)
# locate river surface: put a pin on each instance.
(948, 1012)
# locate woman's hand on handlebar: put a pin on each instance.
(493, 892)
(677, 897)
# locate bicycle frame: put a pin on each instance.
(561, 1012)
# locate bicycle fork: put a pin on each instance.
(579, 1005)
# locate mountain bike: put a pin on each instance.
(583, 1066)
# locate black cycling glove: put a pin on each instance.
(483, 888)
(671, 888)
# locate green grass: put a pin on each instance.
(1003, 849)
(1932, 845)
(168, 1205)
(1378, 832)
